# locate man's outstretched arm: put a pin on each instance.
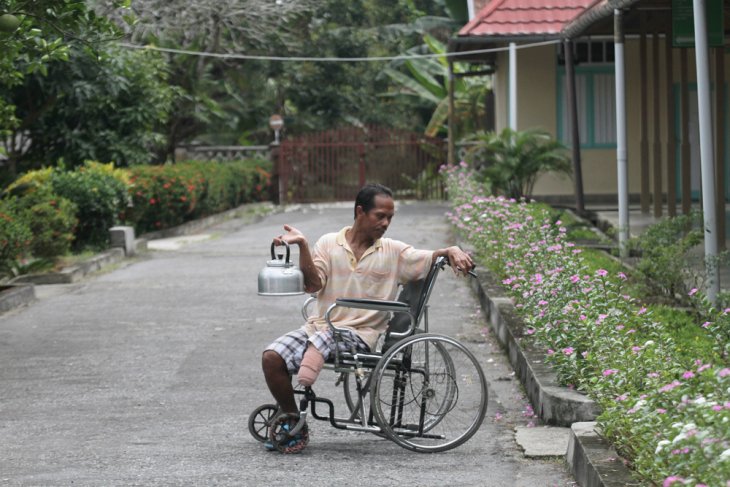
(312, 282)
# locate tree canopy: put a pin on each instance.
(72, 87)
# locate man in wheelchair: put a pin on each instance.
(355, 262)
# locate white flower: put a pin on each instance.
(725, 455)
(689, 427)
(660, 446)
(700, 400)
(649, 343)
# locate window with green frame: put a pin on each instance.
(596, 101)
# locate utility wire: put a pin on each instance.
(330, 59)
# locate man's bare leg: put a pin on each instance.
(279, 381)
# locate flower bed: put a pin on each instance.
(668, 415)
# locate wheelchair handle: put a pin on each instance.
(445, 260)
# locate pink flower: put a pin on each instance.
(706, 324)
(671, 480)
(537, 279)
(669, 387)
(601, 272)
(608, 372)
(622, 276)
(724, 372)
(574, 279)
(661, 411)
(641, 311)
(692, 291)
(568, 351)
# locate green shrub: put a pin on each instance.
(664, 249)
(100, 198)
(52, 221)
(15, 236)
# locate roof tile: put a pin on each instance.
(524, 17)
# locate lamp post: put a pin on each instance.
(278, 183)
(276, 123)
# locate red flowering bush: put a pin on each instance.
(166, 196)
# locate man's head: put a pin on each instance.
(366, 196)
(374, 209)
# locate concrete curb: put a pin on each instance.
(15, 295)
(592, 460)
(556, 405)
(74, 273)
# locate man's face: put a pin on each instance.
(376, 221)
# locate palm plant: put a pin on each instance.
(511, 161)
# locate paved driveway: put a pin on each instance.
(145, 375)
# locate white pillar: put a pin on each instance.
(707, 156)
(621, 151)
(513, 86)
(470, 8)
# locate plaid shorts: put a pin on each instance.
(291, 346)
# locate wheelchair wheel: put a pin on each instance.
(260, 421)
(429, 393)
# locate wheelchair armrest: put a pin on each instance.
(375, 304)
(305, 307)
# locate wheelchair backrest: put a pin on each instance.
(416, 294)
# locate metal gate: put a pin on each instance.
(334, 164)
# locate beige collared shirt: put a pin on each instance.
(381, 268)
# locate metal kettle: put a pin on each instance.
(280, 277)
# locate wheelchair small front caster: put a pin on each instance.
(289, 433)
(260, 420)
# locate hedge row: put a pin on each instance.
(49, 212)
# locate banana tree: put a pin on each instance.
(427, 79)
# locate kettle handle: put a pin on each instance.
(273, 255)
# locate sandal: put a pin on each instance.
(280, 438)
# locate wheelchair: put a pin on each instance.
(423, 391)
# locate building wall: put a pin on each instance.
(537, 108)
